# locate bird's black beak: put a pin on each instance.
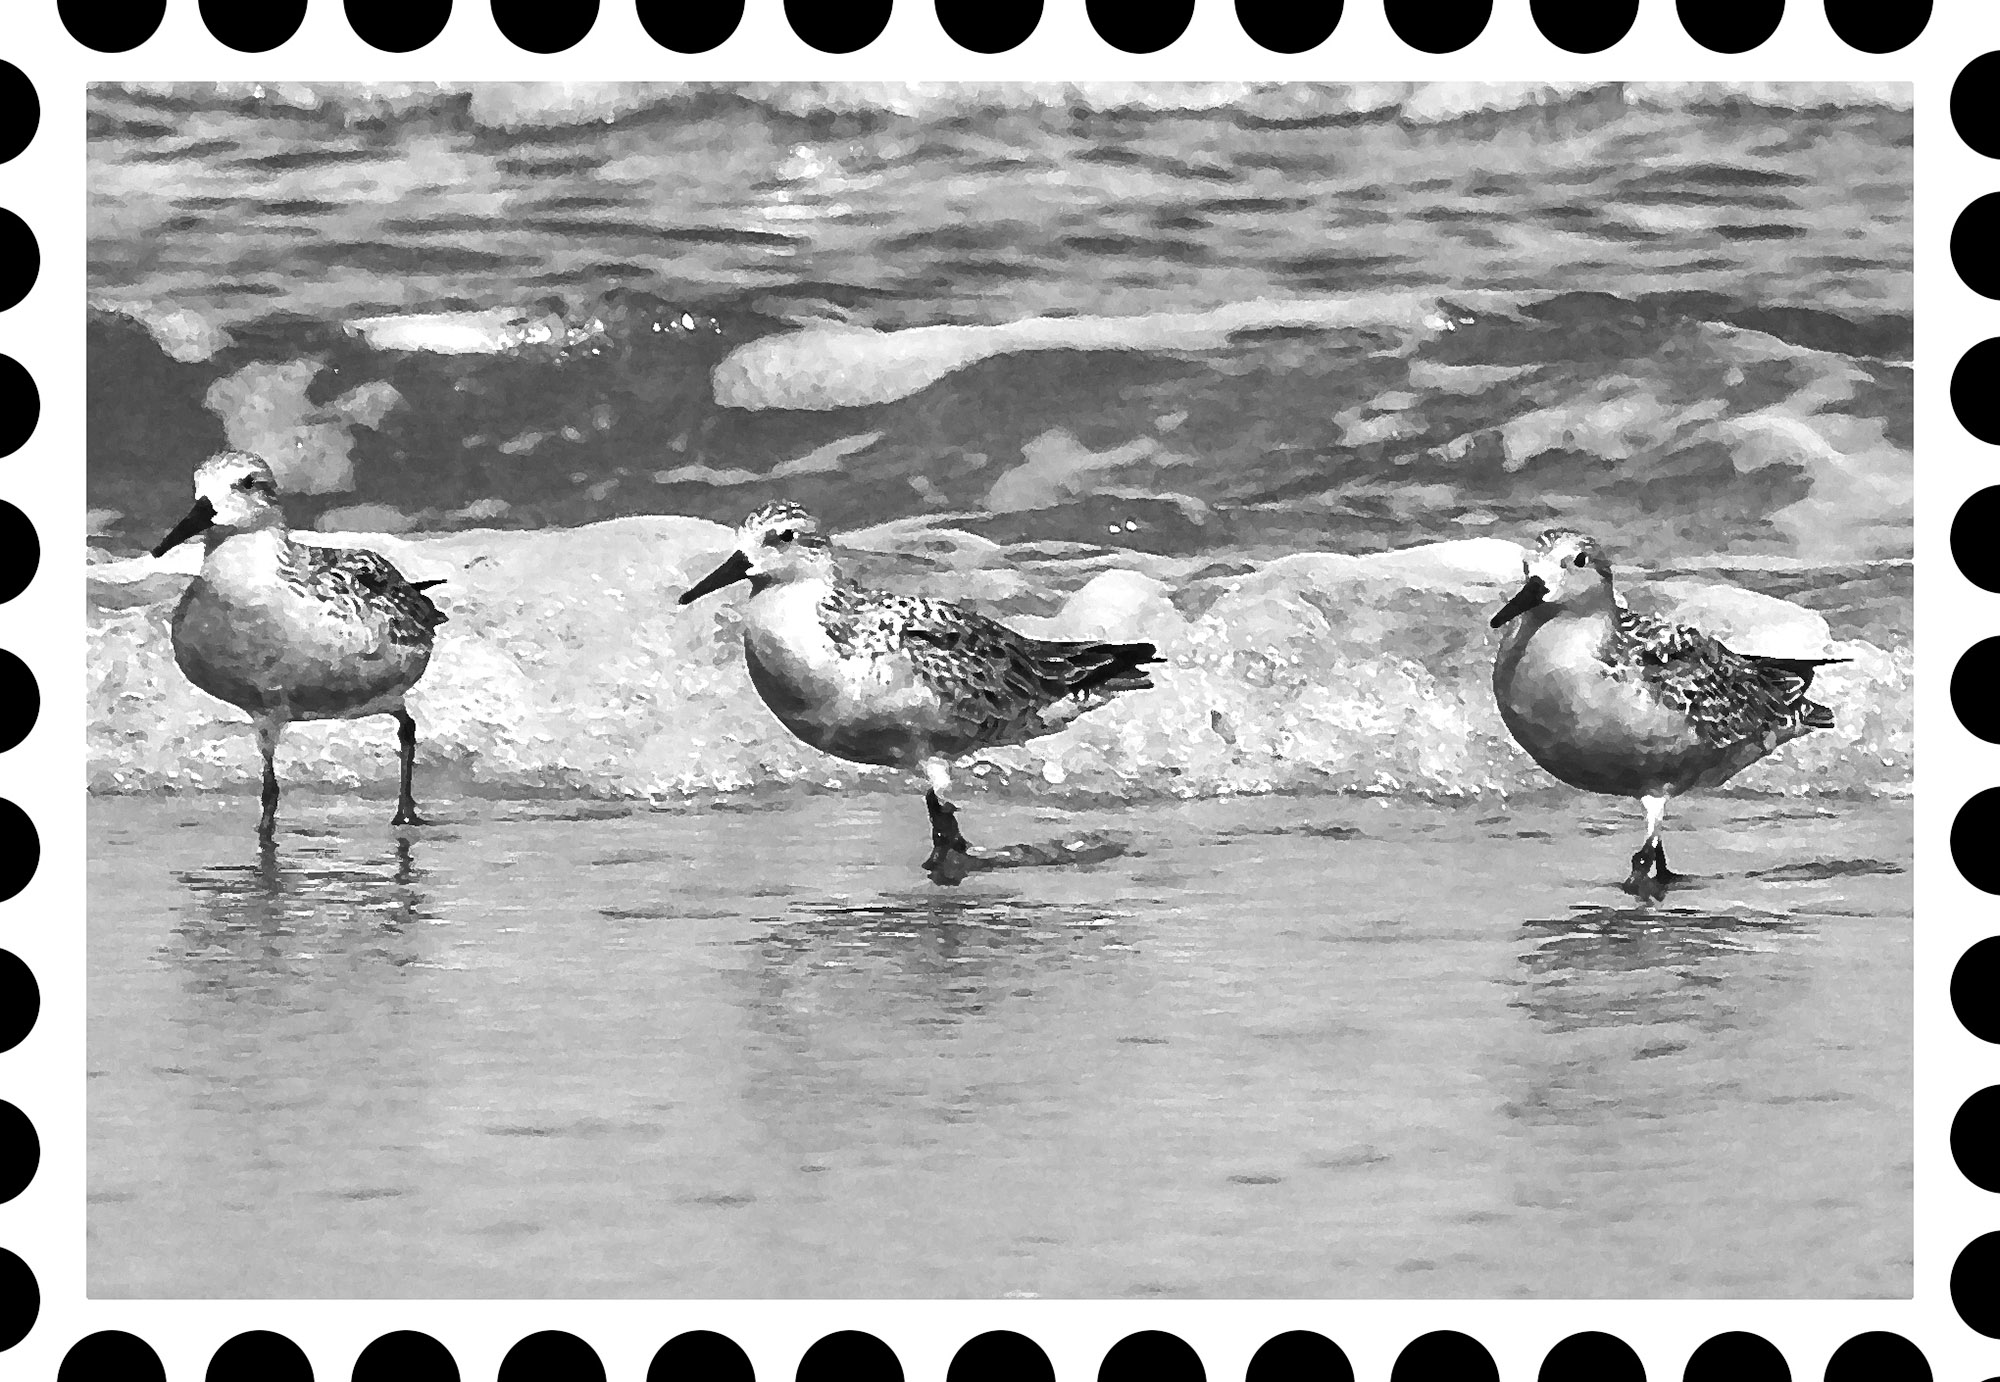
(1531, 593)
(737, 568)
(199, 519)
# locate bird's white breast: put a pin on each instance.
(869, 708)
(247, 569)
(251, 632)
(782, 630)
(1590, 722)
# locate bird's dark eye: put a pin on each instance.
(1583, 558)
(787, 535)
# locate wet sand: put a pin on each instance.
(1304, 1046)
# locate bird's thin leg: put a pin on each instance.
(1640, 881)
(945, 837)
(1649, 876)
(406, 737)
(267, 743)
(1656, 814)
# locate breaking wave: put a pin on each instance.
(567, 667)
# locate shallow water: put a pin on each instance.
(605, 1051)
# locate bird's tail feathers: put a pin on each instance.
(1793, 676)
(436, 615)
(1080, 669)
(1797, 666)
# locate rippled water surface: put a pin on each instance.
(573, 1053)
(752, 1052)
(1303, 315)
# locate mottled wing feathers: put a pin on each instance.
(1793, 678)
(993, 680)
(1727, 696)
(1655, 640)
(369, 584)
(1083, 668)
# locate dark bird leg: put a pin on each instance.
(950, 859)
(1640, 881)
(1661, 873)
(948, 846)
(406, 736)
(1650, 875)
(267, 742)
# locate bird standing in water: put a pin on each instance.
(291, 631)
(898, 680)
(1615, 702)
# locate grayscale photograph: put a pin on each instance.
(1096, 691)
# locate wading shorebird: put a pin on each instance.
(898, 680)
(1616, 702)
(293, 631)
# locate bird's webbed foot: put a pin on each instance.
(1650, 875)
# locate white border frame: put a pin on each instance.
(44, 924)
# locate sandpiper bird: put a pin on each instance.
(898, 680)
(1616, 702)
(291, 631)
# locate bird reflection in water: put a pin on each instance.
(281, 917)
(1643, 965)
(886, 1019)
(928, 957)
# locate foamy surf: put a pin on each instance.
(566, 667)
(819, 368)
(1437, 409)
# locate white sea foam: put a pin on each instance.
(567, 666)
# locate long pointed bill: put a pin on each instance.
(199, 519)
(1532, 593)
(737, 568)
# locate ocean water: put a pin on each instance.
(545, 1049)
(1072, 334)
(1276, 378)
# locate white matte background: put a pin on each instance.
(45, 924)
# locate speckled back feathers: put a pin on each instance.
(1728, 697)
(367, 588)
(996, 683)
